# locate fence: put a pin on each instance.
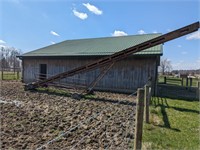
(116, 128)
(10, 73)
(174, 91)
(184, 81)
(88, 132)
(143, 98)
(173, 81)
(142, 113)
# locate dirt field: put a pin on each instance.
(31, 120)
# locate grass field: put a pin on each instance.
(174, 124)
(10, 75)
(161, 80)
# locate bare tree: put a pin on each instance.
(165, 66)
(4, 58)
(8, 57)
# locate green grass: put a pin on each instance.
(161, 80)
(10, 75)
(55, 91)
(174, 124)
(61, 92)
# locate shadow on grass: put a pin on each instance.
(162, 103)
(77, 96)
(159, 101)
(177, 92)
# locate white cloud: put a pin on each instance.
(80, 15)
(179, 46)
(2, 46)
(184, 53)
(168, 59)
(52, 42)
(194, 36)
(177, 65)
(155, 31)
(2, 42)
(186, 65)
(141, 32)
(198, 63)
(169, 30)
(93, 9)
(54, 33)
(119, 33)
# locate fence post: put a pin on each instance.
(139, 119)
(165, 79)
(146, 103)
(187, 81)
(17, 74)
(198, 90)
(181, 81)
(2, 73)
(190, 82)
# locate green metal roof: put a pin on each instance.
(97, 46)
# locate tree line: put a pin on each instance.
(165, 66)
(9, 59)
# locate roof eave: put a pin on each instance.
(39, 56)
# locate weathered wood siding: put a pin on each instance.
(125, 76)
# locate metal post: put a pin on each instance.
(139, 119)
(146, 103)
(100, 76)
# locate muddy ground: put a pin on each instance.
(32, 119)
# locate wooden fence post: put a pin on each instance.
(146, 103)
(17, 74)
(139, 119)
(187, 81)
(181, 81)
(165, 79)
(2, 73)
(198, 90)
(190, 82)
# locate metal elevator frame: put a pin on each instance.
(108, 60)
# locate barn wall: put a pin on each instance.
(125, 76)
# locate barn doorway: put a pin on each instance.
(43, 71)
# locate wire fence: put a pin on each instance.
(95, 128)
(125, 135)
(114, 129)
(123, 138)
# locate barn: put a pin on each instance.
(125, 76)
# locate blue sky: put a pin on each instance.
(32, 24)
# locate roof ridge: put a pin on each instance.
(103, 37)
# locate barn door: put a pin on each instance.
(43, 71)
